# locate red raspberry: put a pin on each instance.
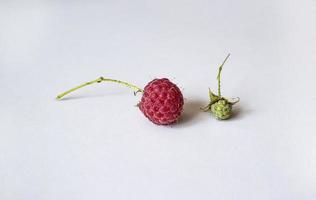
(162, 102)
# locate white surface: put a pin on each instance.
(97, 145)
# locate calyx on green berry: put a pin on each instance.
(219, 106)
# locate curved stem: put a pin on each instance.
(219, 75)
(99, 80)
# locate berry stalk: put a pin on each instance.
(99, 80)
(219, 75)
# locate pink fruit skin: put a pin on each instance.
(162, 102)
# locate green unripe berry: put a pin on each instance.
(219, 106)
(222, 109)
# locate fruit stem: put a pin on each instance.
(99, 80)
(219, 75)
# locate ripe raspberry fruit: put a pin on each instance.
(219, 106)
(161, 103)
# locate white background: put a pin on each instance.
(96, 144)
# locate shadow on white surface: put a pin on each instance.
(240, 112)
(192, 113)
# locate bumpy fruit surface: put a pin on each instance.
(162, 102)
(222, 109)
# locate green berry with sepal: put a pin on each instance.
(219, 106)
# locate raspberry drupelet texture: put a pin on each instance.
(222, 109)
(162, 102)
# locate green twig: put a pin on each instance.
(99, 80)
(219, 75)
